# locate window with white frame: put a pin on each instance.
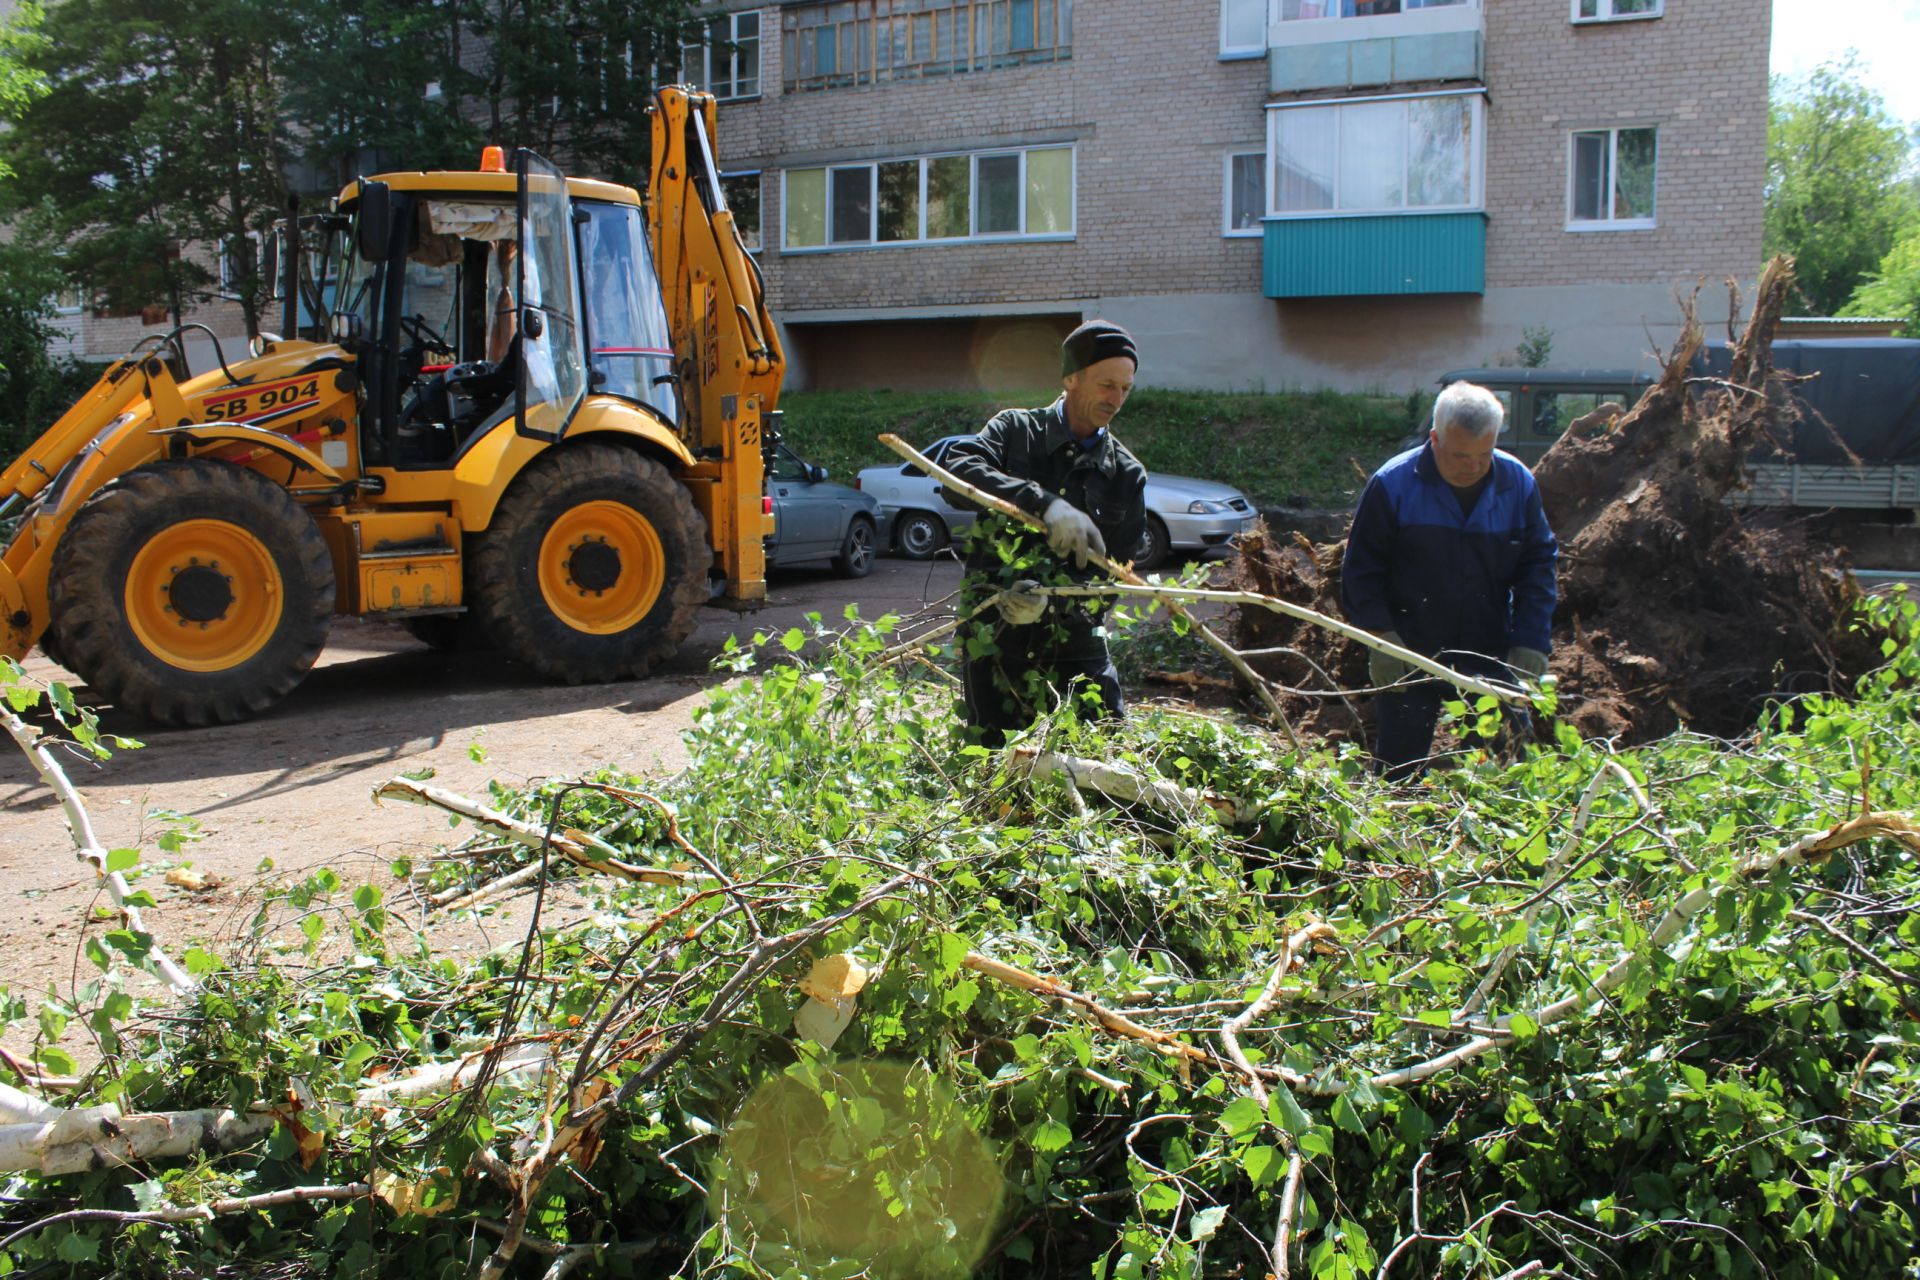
(742, 191)
(1415, 154)
(1611, 179)
(1616, 10)
(1243, 28)
(1026, 193)
(1245, 197)
(69, 300)
(726, 62)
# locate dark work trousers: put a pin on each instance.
(1405, 719)
(998, 699)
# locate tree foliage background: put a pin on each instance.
(139, 129)
(1839, 182)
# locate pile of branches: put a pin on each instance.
(1160, 998)
(1676, 607)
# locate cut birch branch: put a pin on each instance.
(86, 1138)
(1230, 1030)
(87, 846)
(23, 1108)
(1359, 635)
(576, 846)
(1124, 573)
(198, 1212)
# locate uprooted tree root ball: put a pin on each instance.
(1676, 608)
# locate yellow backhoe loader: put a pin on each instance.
(505, 404)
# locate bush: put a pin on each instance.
(1283, 449)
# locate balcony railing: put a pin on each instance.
(848, 42)
(1333, 44)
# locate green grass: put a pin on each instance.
(1291, 449)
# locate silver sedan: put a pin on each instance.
(1183, 514)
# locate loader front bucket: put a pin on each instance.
(15, 637)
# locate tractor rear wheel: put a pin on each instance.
(594, 567)
(191, 593)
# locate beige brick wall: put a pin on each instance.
(1699, 74)
(1152, 111)
(1148, 105)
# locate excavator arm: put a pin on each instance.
(727, 357)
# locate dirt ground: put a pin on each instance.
(295, 785)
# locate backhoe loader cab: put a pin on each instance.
(512, 407)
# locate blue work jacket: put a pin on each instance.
(1480, 583)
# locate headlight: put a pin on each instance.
(1201, 507)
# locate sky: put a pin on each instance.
(1885, 32)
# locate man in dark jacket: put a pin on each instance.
(1450, 556)
(1063, 465)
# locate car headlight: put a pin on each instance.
(1201, 507)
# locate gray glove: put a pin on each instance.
(1071, 532)
(1530, 663)
(1383, 668)
(1021, 604)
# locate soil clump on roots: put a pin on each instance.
(1676, 608)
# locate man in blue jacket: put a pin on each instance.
(1450, 556)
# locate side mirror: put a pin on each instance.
(816, 474)
(532, 323)
(376, 220)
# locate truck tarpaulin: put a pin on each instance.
(1865, 403)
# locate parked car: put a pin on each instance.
(814, 519)
(1543, 403)
(918, 517)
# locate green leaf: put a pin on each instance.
(794, 640)
(1522, 1027)
(1049, 1135)
(1205, 1223)
(56, 1060)
(1286, 1113)
(122, 860)
(1241, 1114)
(1346, 1117)
(1262, 1164)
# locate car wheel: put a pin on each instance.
(857, 549)
(919, 534)
(1154, 544)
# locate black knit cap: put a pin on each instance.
(1094, 341)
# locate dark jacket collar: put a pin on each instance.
(1060, 436)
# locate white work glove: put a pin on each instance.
(1530, 663)
(1071, 532)
(1021, 604)
(1384, 669)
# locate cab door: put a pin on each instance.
(553, 369)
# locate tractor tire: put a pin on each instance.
(191, 593)
(49, 645)
(594, 567)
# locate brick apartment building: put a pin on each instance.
(1269, 193)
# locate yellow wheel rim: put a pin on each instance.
(601, 567)
(204, 595)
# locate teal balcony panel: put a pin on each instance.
(1363, 256)
(1388, 60)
